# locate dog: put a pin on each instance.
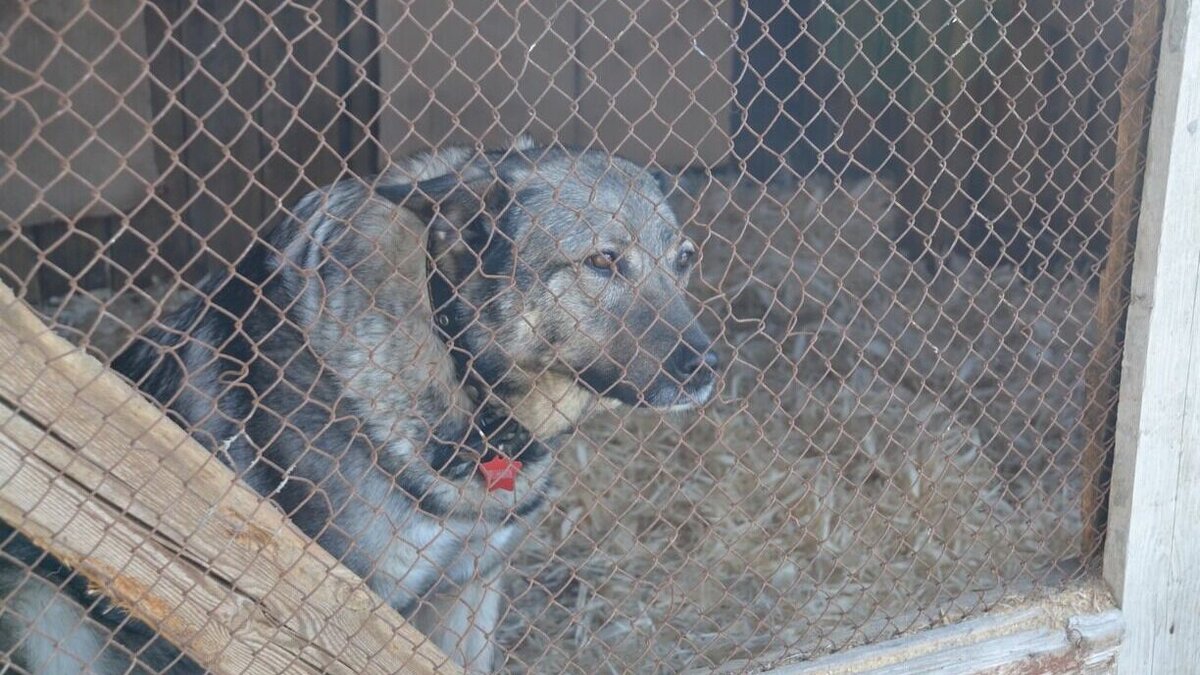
(395, 364)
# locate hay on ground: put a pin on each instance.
(887, 444)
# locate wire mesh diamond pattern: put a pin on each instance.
(904, 227)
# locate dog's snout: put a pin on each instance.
(689, 360)
(692, 361)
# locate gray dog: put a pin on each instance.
(395, 364)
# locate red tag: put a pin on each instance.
(500, 473)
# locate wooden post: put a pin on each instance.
(102, 479)
(1100, 376)
(1152, 552)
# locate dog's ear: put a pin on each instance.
(666, 181)
(457, 213)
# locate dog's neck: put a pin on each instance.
(492, 426)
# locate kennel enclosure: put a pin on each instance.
(948, 248)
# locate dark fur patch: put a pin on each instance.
(19, 556)
(605, 380)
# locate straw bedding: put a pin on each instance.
(890, 446)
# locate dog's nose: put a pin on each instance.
(691, 360)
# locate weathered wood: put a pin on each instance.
(89, 534)
(358, 74)
(655, 80)
(1100, 376)
(651, 80)
(1099, 636)
(77, 110)
(1152, 552)
(101, 478)
(922, 630)
(482, 73)
(1028, 641)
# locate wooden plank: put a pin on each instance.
(1100, 374)
(656, 82)
(941, 639)
(358, 76)
(1152, 551)
(75, 123)
(960, 621)
(1028, 641)
(103, 480)
(1100, 635)
(141, 249)
(476, 72)
(653, 82)
(89, 534)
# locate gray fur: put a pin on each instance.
(317, 371)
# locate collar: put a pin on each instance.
(494, 442)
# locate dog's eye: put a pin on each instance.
(605, 261)
(686, 257)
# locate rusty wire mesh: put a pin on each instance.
(913, 221)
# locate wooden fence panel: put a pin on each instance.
(102, 479)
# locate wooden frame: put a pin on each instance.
(1035, 639)
(101, 478)
(1101, 376)
(1153, 553)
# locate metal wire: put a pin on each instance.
(905, 214)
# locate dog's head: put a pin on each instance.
(569, 272)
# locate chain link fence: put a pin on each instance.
(913, 227)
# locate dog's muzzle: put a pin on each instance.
(692, 375)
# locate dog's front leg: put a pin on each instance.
(467, 624)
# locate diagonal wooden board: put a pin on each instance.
(101, 478)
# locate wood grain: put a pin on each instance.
(1101, 372)
(656, 81)
(1026, 641)
(1152, 552)
(104, 480)
(652, 81)
(77, 110)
